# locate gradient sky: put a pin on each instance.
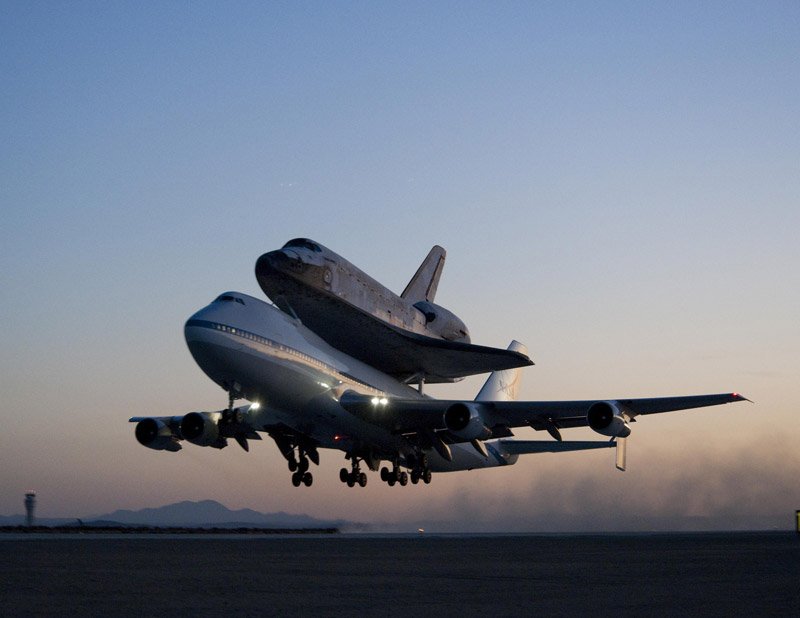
(617, 185)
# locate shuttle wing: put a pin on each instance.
(400, 353)
(406, 355)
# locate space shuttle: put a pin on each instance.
(408, 336)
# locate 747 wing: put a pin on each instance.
(450, 422)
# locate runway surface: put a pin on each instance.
(715, 574)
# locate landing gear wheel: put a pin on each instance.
(403, 479)
(307, 479)
(362, 479)
(391, 481)
(297, 478)
(343, 474)
(385, 474)
(414, 478)
(350, 480)
(426, 476)
(292, 465)
(302, 465)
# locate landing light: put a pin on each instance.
(255, 405)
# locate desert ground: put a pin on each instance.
(715, 574)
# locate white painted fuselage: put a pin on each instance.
(264, 355)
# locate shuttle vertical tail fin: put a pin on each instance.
(504, 385)
(425, 281)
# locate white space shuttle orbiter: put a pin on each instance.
(407, 336)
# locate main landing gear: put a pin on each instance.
(355, 475)
(299, 467)
(419, 469)
(419, 472)
(395, 476)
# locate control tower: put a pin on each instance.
(30, 503)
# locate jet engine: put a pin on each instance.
(443, 323)
(202, 429)
(606, 418)
(465, 421)
(153, 433)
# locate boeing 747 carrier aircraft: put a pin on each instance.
(339, 362)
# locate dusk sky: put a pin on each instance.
(617, 185)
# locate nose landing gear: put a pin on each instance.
(297, 452)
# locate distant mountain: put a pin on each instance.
(212, 513)
(206, 513)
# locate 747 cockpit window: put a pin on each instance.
(303, 242)
(228, 298)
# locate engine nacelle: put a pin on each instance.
(443, 323)
(152, 433)
(465, 421)
(607, 419)
(201, 429)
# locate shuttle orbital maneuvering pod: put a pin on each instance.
(339, 362)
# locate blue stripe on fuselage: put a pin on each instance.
(244, 334)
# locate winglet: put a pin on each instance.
(425, 281)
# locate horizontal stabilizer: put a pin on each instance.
(522, 447)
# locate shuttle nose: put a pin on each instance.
(267, 263)
(274, 262)
(275, 265)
